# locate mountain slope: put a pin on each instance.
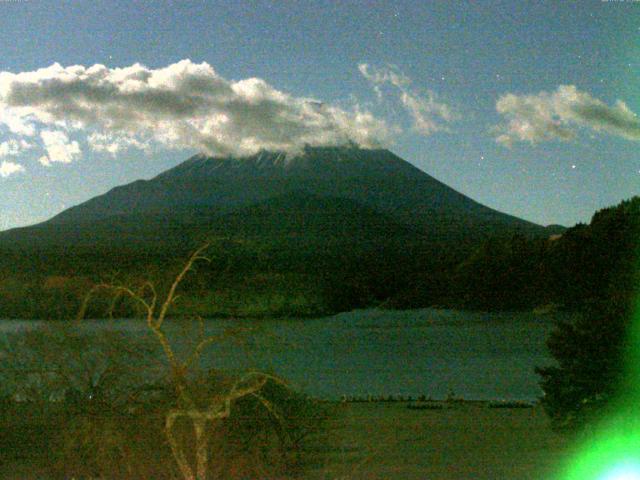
(376, 179)
(295, 216)
(329, 230)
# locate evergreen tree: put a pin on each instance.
(590, 364)
(596, 272)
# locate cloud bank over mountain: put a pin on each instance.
(62, 112)
(185, 105)
(559, 115)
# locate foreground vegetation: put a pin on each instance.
(593, 353)
(463, 440)
(104, 412)
(63, 421)
(381, 441)
(93, 437)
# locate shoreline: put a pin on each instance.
(535, 312)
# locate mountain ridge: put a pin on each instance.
(335, 229)
(333, 169)
(210, 187)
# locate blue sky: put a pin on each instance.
(563, 154)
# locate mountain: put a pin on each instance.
(323, 192)
(328, 230)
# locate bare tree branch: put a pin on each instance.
(170, 296)
(219, 405)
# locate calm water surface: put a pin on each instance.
(378, 352)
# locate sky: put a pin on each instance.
(528, 107)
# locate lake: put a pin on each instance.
(379, 352)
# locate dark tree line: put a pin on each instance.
(590, 270)
(591, 352)
(586, 263)
(316, 276)
(591, 364)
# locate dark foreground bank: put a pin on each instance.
(464, 440)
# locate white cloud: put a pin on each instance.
(558, 115)
(427, 113)
(17, 120)
(10, 168)
(13, 147)
(114, 144)
(184, 105)
(59, 148)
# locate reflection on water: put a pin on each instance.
(378, 352)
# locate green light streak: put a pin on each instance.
(613, 453)
(612, 450)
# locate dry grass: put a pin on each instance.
(467, 441)
(389, 441)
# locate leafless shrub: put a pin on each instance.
(199, 428)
